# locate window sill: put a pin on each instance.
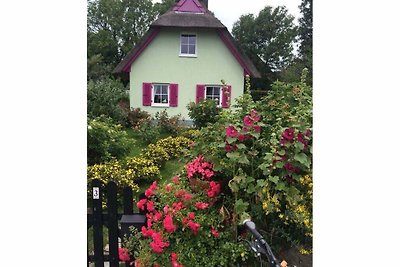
(160, 106)
(188, 55)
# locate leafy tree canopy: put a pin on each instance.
(268, 38)
(115, 26)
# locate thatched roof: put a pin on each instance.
(188, 14)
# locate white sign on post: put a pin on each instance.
(96, 194)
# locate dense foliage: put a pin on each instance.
(103, 97)
(106, 140)
(264, 151)
(267, 38)
(203, 113)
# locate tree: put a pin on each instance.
(103, 97)
(306, 35)
(267, 39)
(163, 7)
(115, 26)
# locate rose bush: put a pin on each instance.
(187, 224)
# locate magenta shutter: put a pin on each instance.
(146, 100)
(173, 95)
(200, 91)
(226, 97)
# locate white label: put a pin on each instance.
(96, 194)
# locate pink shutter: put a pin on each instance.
(226, 97)
(173, 95)
(146, 100)
(200, 91)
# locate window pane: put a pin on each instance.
(164, 90)
(184, 49)
(164, 98)
(209, 90)
(157, 90)
(216, 91)
(192, 49)
(184, 39)
(157, 99)
(192, 39)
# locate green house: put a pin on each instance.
(182, 58)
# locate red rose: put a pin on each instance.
(201, 205)
(214, 232)
(141, 203)
(194, 227)
(168, 224)
(123, 254)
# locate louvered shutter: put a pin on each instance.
(146, 100)
(173, 95)
(226, 97)
(200, 92)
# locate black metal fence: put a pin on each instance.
(110, 218)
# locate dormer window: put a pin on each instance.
(188, 45)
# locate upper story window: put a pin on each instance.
(188, 45)
(160, 95)
(214, 93)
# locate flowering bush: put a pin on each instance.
(186, 222)
(203, 113)
(106, 140)
(263, 150)
(169, 125)
(174, 146)
(113, 171)
(155, 153)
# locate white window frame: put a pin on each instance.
(220, 93)
(153, 89)
(180, 45)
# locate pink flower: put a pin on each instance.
(213, 190)
(241, 138)
(308, 133)
(230, 148)
(201, 205)
(231, 131)
(166, 209)
(214, 232)
(175, 179)
(174, 257)
(157, 216)
(257, 128)
(180, 193)
(123, 254)
(174, 260)
(254, 115)
(150, 191)
(147, 232)
(248, 121)
(168, 224)
(178, 206)
(150, 205)
(290, 168)
(168, 188)
(187, 197)
(141, 203)
(194, 227)
(288, 134)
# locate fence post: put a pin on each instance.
(112, 223)
(97, 223)
(128, 200)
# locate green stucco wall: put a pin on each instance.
(160, 63)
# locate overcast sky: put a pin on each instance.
(229, 11)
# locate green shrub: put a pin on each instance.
(192, 134)
(203, 113)
(174, 145)
(148, 131)
(103, 97)
(168, 125)
(136, 116)
(106, 140)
